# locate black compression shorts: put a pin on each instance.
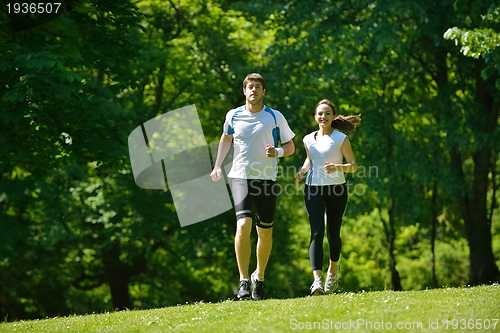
(255, 193)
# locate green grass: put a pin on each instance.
(437, 310)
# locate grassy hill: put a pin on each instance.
(470, 309)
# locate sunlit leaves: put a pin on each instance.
(481, 42)
(475, 43)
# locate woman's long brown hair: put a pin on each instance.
(345, 124)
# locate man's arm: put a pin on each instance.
(288, 149)
(224, 147)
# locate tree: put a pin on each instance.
(82, 98)
(389, 60)
(482, 121)
(57, 82)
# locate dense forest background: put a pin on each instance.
(77, 235)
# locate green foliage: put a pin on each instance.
(475, 43)
(365, 257)
(81, 196)
(59, 74)
(78, 236)
(481, 42)
(57, 86)
(389, 61)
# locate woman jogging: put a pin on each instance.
(326, 188)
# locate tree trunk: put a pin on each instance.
(390, 233)
(118, 277)
(483, 269)
(471, 196)
(433, 235)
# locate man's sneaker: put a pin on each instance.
(244, 291)
(332, 281)
(257, 288)
(317, 288)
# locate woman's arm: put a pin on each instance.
(305, 167)
(350, 166)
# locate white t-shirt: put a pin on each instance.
(252, 131)
(326, 149)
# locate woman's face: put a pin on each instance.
(324, 115)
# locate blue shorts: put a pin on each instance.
(255, 193)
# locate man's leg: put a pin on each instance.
(243, 209)
(264, 247)
(242, 245)
(265, 205)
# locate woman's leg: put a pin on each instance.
(316, 211)
(336, 203)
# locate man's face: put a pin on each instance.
(254, 92)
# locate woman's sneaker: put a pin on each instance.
(317, 288)
(332, 281)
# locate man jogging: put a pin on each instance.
(255, 131)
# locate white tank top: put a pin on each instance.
(326, 149)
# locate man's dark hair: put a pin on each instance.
(254, 77)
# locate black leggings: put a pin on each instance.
(334, 198)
